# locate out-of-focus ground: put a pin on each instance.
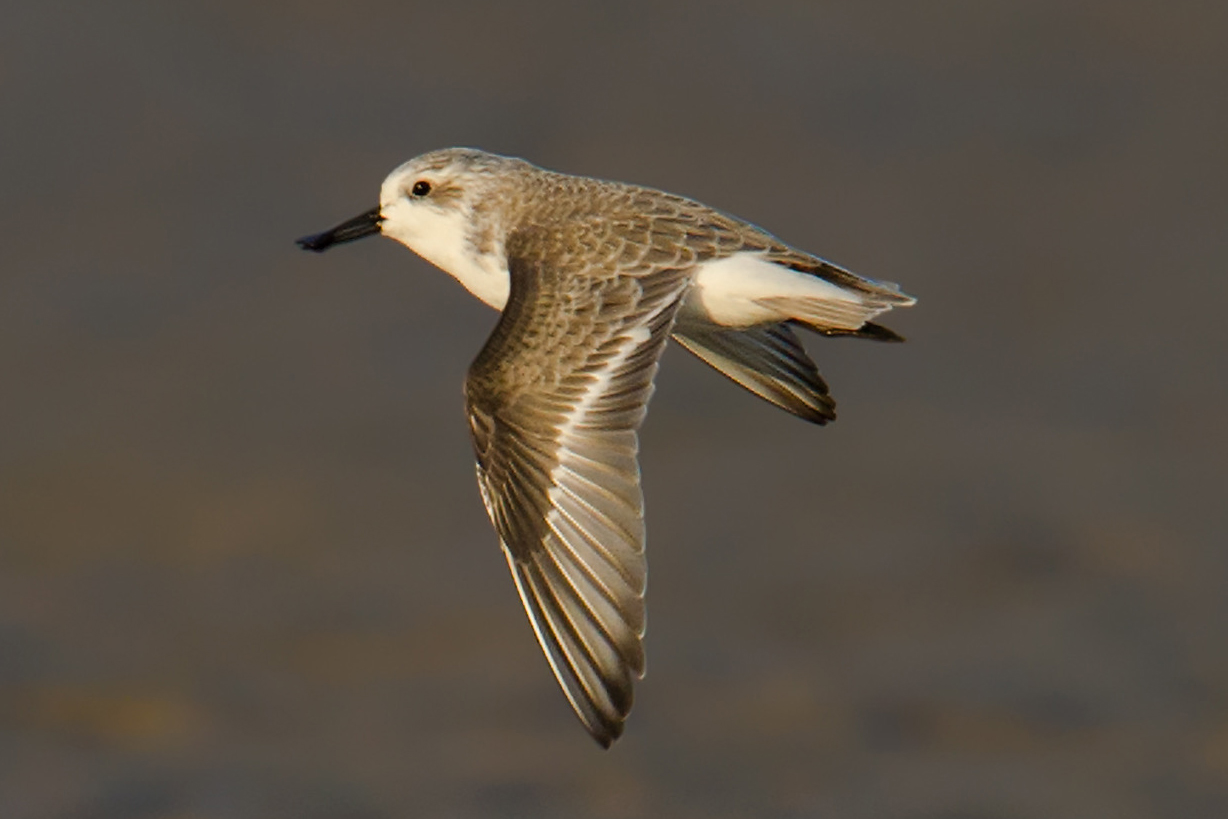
(244, 569)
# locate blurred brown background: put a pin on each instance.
(244, 569)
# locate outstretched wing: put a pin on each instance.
(555, 399)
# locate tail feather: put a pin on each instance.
(845, 312)
(887, 292)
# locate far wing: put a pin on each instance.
(769, 361)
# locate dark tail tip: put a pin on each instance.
(878, 332)
(870, 330)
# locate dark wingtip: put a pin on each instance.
(818, 418)
(820, 412)
(316, 242)
(606, 732)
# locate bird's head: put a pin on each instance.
(433, 203)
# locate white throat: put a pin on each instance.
(442, 238)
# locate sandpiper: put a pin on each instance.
(592, 277)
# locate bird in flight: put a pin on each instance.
(592, 277)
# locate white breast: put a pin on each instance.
(441, 237)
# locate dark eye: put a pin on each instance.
(421, 188)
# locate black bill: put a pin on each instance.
(363, 225)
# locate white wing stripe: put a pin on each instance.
(602, 378)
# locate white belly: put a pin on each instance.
(746, 289)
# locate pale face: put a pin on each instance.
(430, 210)
(432, 205)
